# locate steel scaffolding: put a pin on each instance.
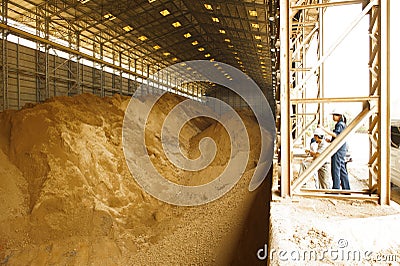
(299, 22)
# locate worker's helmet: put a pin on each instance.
(319, 132)
(337, 111)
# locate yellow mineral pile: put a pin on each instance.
(67, 196)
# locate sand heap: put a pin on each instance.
(67, 196)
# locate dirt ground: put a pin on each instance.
(68, 198)
(310, 231)
(334, 226)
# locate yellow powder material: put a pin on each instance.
(67, 196)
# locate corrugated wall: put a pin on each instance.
(65, 77)
(27, 79)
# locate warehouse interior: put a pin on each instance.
(69, 69)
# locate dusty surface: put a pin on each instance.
(336, 232)
(67, 197)
(334, 226)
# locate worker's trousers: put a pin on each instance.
(339, 173)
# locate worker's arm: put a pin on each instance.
(312, 153)
(331, 133)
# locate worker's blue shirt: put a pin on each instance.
(339, 127)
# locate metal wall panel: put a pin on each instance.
(64, 77)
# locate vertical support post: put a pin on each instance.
(42, 54)
(113, 75)
(303, 65)
(54, 76)
(79, 88)
(167, 79)
(72, 68)
(135, 77)
(5, 69)
(96, 70)
(373, 83)
(286, 135)
(4, 73)
(159, 80)
(120, 72)
(142, 67)
(384, 105)
(102, 91)
(18, 78)
(379, 126)
(129, 76)
(321, 80)
(175, 85)
(46, 72)
(4, 54)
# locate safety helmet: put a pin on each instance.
(337, 111)
(319, 132)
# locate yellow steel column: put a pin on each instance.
(384, 105)
(286, 136)
(321, 80)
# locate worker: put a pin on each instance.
(323, 180)
(339, 173)
(313, 144)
